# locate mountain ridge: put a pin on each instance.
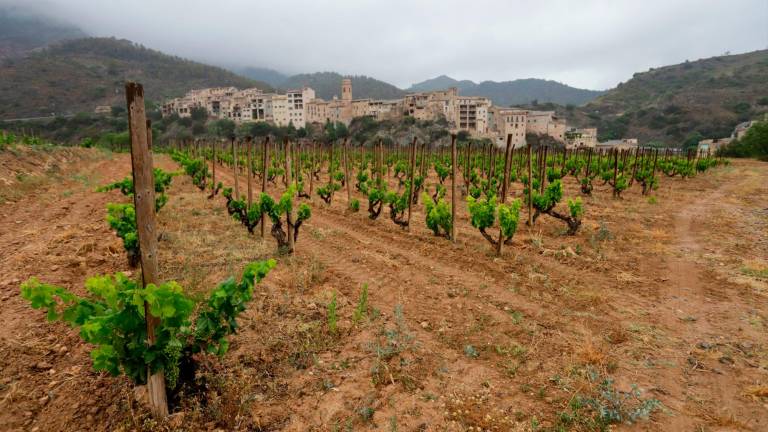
(22, 31)
(512, 92)
(703, 98)
(328, 84)
(77, 75)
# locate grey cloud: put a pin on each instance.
(588, 43)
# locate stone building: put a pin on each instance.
(546, 123)
(508, 121)
(470, 114)
(712, 145)
(431, 105)
(578, 138)
(619, 144)
(741, 129)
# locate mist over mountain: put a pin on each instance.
(77, 75)
(22, 31)
(264, 74)
(328, 84)
(515, 92)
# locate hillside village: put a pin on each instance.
(473, 114)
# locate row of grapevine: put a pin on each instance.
(392, 178)
(250, 212)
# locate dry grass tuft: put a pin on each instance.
(590, 353)
(757, 391)
(617, 335)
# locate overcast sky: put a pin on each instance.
(591, 44)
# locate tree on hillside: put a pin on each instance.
(334, 131)
(341, 130)
(222, 128)
(462, 136)
(117, 111)
(692, 140)
(260, 129)
(753, 144)
(199, 114)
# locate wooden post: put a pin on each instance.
(144, 203)
(543, 170)
(410, 176)
(312, 168)
(378, 161)
(492, 162)
(634, 168)
(249, 171)
(530, 185)
(213, 168)
(467, 164)
(297, 163)
(347, 179)
(453, 188)
(504, 189)
(422, 171)
(234, 166)
(289, 214)
(264, 162)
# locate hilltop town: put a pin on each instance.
(473, 114)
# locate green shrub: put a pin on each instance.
(545, 203)
(438, 215)
(354, 205)
(483, 213)
(112, 318)
(361, 310)
(122, 219)
(333, 317)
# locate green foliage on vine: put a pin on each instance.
(438, 214)
(112, 318)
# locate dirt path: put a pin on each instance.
(703, 314)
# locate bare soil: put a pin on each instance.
(668, 295)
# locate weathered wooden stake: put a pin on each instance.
(615, 169)
(543, 178)
(213, 169)
(144, 203)
(410, 176)
(289, 214)
(249, 171)
(504, 189)
(634, 168)
(530, 186)
(264, 162)
(234, 166)
(347, 179)
(453, 188)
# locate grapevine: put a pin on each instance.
(112, 318)
(484, 213)
(545, 203)
(438, 213)
(277, 210)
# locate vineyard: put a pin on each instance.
(264, 283)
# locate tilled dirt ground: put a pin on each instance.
(665, 295)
